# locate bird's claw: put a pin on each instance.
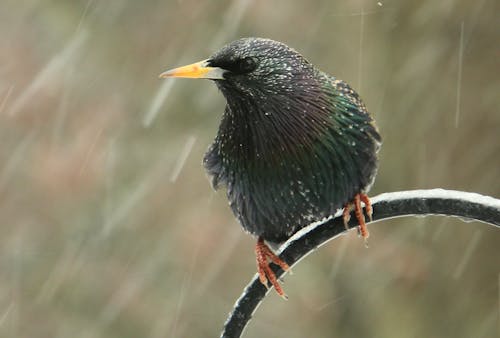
(368, 206)
(360, 217)
(346, 215)
(264, 255)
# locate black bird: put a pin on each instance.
(294, 145)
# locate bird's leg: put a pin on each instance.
(346, 215)
(263, 255)
(368, 205)
(358, 211)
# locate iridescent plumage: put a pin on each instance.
(294, 144)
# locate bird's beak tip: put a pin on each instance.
(164, 75)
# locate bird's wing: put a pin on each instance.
(353, 99)
(213, 164)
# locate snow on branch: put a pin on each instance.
(469, 206)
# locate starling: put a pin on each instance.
(294, 144)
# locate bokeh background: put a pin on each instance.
(108, 225)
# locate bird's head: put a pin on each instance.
(250, 67)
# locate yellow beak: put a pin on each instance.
(197, 70)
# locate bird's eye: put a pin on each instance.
(246, 65)
(238, 66)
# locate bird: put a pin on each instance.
(294, 144)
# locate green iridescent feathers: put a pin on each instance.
(294, 145)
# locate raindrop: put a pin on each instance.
(52, 69)
(16, 159)
(182, 158)
(160, 97)
(6, 97)
(473, 243)
(459, 79)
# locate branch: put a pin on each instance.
(389, 205)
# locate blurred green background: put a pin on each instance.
(108, 225)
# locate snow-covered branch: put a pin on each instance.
(470, 206)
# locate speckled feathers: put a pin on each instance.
(294, 144)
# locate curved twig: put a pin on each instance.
(389, 205)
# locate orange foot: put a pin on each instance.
(358, 210)
(264, 254)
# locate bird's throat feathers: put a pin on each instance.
(274, 123)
